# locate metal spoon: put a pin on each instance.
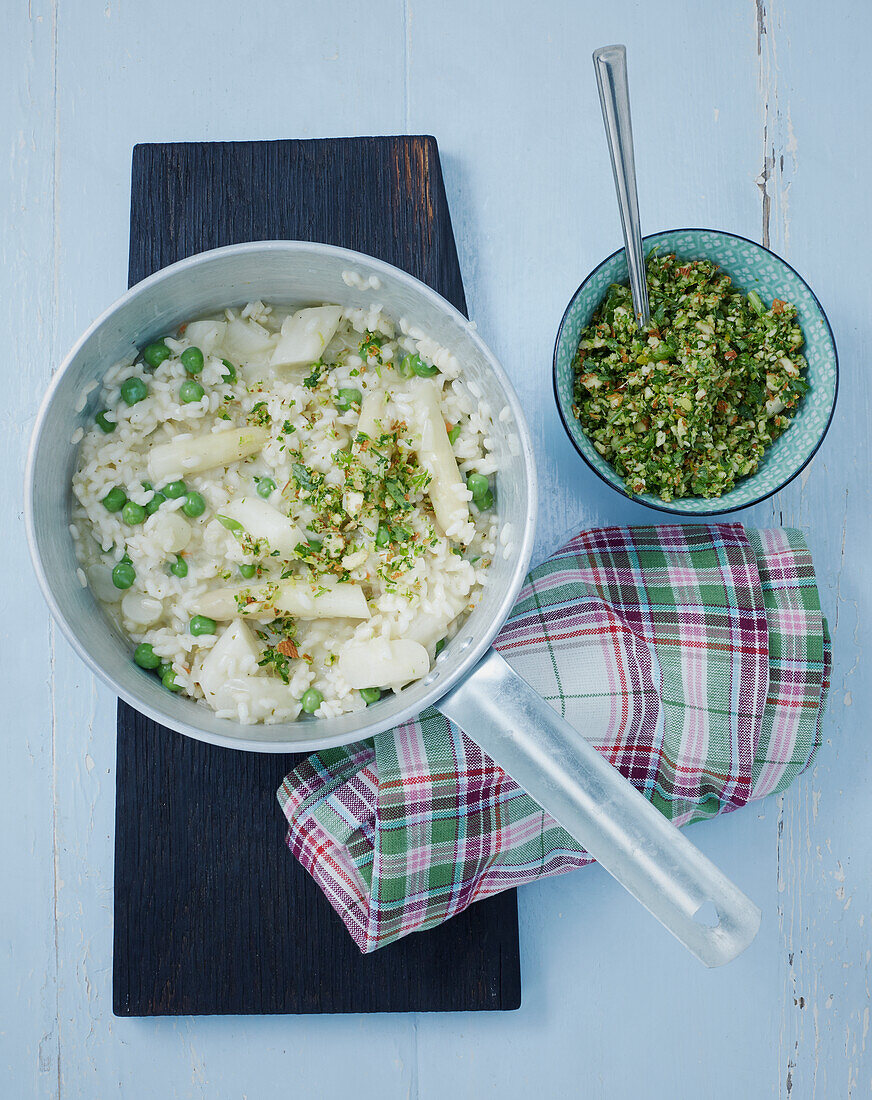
(610, 65)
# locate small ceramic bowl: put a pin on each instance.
(751, 267)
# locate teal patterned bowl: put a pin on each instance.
(751, 267)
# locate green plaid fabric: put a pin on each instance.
(695, 658)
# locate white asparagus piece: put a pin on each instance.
(372, 410)
(206, 335)
(171, 532)
(100, 579)
(262, 521)
(304, 336)
(447, 490)
(428, 627)
(290, 597)
(370, 423)
(247, 339)
(228, 675)
(382, 662)
(236, 652)
(192, 454)
(140, 610)
(262, 696)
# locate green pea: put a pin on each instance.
(147, 485)
(190, 391)
(156, 353)
(453, 434)
(230, 376)
(133, 513)
(133, 390)
(312, 699)
(382, 535)
(420, 368)
(145, 656)
(348, 397)
(123, 575)
(155, 503)
(194, 504)
(174, 490)
(478, 485)
(104, 424)
(265, 487)
(168, 679)
(192, 360)
(370, 695)
(115, 499)
(484, 502)
(202, 624)
(179, 568)
(440, 645)
(232, 525)
(247, 570)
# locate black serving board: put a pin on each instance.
(212, 912)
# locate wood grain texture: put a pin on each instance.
(612, 1008)
(377, 195)
(212, 913)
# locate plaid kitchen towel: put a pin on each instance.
(695, 658)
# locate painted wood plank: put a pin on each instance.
(29, 1034)
(818, 189)
(115, 92)
(610, 1001)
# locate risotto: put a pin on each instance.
(286, 511)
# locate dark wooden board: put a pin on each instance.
(212, 912)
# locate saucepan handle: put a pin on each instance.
(617, 825)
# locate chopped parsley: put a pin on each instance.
(397, 492)
(259, 416)
(277, 662)
(371, 345)
(303, 476)
(312, 380)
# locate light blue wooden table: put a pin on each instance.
(748, 117)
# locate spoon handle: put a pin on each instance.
(610, 64)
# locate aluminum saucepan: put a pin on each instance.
(470, 683)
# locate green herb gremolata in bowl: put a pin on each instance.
(723, 399)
